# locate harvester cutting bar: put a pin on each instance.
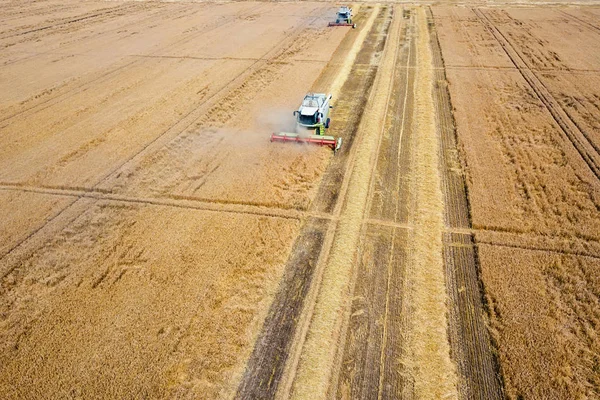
(321, 140)
(342, 24)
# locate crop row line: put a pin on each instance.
(538, 248)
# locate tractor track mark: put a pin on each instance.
(266, 371)
(581, 21)
(554, 71)
(98, 79)
(571, 132)
(164, 57)
(217, 58)
(113, 10)
(542, 242)
(11, 14)
(536, 248)
(32, 233)
(187, 203)
(470, 342)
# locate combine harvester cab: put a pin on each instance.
(343, 17)
(312, 119)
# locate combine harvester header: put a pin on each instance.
(312, 116)
(322, 140)
(343, 18)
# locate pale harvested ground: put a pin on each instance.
(535, 202)
(116, 131)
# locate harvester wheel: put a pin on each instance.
(353, 26)
(327, 123)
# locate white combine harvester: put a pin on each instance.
(311, 116)
(343, 17)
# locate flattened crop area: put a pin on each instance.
(526, 96)
(145, 218)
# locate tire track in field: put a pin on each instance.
(471, 345)
(555, 244)
(23, 8)
(68, 21)
(580, 21)
(573, 134)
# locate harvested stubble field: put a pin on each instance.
(154, 244)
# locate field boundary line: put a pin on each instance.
(186, 203)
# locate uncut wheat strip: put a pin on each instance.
(427, 356)
(320, 348)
